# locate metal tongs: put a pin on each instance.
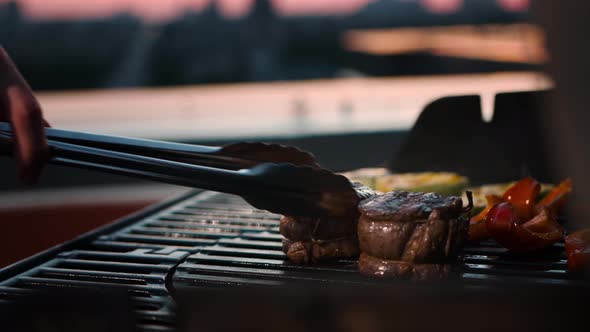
(277, 178)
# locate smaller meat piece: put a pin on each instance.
(309, 240)
(411, 235)
(301, 228)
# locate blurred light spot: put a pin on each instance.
(515, 5)
(487, 106)
(233, 8)
(442, 6)
(162, 10)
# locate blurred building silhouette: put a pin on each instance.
(206, 47)
(65, 54)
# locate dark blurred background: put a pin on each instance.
(105, 43)
(344, 79)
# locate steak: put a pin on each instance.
(309, 240)
(410, 235)
(410, 206)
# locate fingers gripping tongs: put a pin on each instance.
(277, 178)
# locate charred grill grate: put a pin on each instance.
(141, 273)
(256, 258)
(216, 240)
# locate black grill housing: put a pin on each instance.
(210, 240)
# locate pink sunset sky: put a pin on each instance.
(165, 9)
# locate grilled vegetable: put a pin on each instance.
(507, 228)
(477, 225)
(522, 225)
(577, 249)
(380, 179)
(555, 199)
(522, 195)
(366, 176)
(443, 183)
(480, 193)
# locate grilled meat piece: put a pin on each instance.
(436, 239)
(410, 206)
(421, 241)
(310, 240)
(312, 251)
(301, 228)
(410, 234)
(394, 269)
(386, 239)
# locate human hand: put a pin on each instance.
(19, 106)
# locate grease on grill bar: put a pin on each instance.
(212, 240)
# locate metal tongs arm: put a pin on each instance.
(278, 187)
(233, 156)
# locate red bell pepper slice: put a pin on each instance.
(579, 261)
(477, 225)
(523, 196)
(505, 226)
(555, 199)
(577, 250)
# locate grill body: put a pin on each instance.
(207, 240)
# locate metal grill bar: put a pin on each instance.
(111, 277)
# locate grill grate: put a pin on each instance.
(141, 273)
(216, 240)
(255, 258)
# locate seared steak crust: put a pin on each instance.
(436, 240)
(404, 206)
